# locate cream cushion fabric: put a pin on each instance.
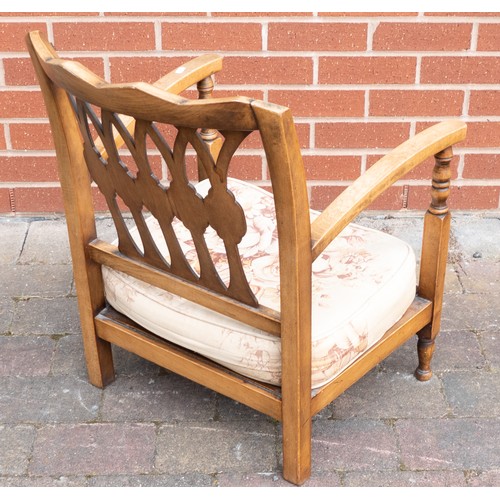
(362, 284)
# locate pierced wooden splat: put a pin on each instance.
(141, 191)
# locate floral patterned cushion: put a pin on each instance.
(362, 284)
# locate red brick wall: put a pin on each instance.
(358, 85)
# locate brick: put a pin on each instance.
(361, 135)
(211, 36)
(322, 196)
(422, 36)
(31, 136)
(104, 36)
(488, 37)
(51, 14)
(461, 197)
(38, 199)
(489, 341)
(422, 171)
(332, 167)
(266, 70)
(449, 444)
(482, 135)
(481, 166)
(366, 14)
(453, 69)
(2, 137)
(317, 36)
(209, 447)
(12, 35)
(28, 169)
(479, 134)
(321, 102)
(246, 167)
(364, 70)
(156, 14)
(261, 14)
(462, 14)
(484, 102)
(145, 69)
(19, 71)
(91, 449)
(5, 207)
(22, 104)
(193, 480)
(416, 102)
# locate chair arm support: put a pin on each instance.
(385, 172)
(174, 82)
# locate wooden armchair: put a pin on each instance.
(225, 283)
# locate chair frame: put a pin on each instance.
(293, 403)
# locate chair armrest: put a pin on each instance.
(379, 177)
(174, 82)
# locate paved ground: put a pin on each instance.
(152, 428)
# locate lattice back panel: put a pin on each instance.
(142, 191)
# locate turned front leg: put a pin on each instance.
(434, 257)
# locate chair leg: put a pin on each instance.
(99, 360)
(297, 450)
(425, 348)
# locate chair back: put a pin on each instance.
(86, 115)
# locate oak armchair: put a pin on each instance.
(242, 290)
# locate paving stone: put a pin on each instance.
(480, 276)
(46, 316)
(212, 447)
(253, 480)
(477, 234)
(25, 356)
(357, 444)
(449, 444)
(47, 399)
(69, 357)
(471, 311)
(12, 236)
(7, 306)
(490, 342)
(452, 283)
(160, 399)
(408, 229)
(46, 243)
(42, 482)
(391, 395)
(473, 394)
(228, 409)
(16, 442)
(485, 478)
(36, 280)
(153, 480)
(92, 449)
(405, 479)
(455, 350)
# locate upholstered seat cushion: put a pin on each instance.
(362, 284)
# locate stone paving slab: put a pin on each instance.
(153, 428)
